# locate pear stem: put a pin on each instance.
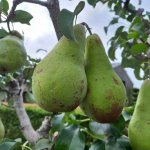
(87, 27)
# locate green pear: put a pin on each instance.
(2, 129)
(59, 81)
(139, 125)
(106, 94)
(12, 54)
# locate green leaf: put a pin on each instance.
(133, 35)
(22, 16)
(119, 123)
(43, 144)
(128, 111)
(98, 145)
(106, 29)
(119, 30)
(131, 17)
(103, 130)
(126, 116)
(98, 128)
(57, 122)
(92, 2)
(70, 138)
(148, 14)
(28, 97)
(138, 27)
(137, 71)
(4, 6)
(138, 48)
(112, 144)
(9, 145)
(129, 62)
(27, 72)
(79, 7)
(65, 21)
(124, 142)
(111, 53)
(114, 21)
(3, 33)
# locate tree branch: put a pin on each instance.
(51, 5)
(17, 2)
(27, 129)
(54, 10)
(45, 127)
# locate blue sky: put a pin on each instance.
(41, 35)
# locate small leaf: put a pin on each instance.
(119, 123)
(133, 35)
(111, 53)
(112, 144)
(131, 17)
(92, 2)
(124, 142)
(9, 145)
(98, 145)
(114, 21)
(3, 33)
(22, 16)
(137, 27)
(79, 7)
(148, 14)
(43, 144)
(65, 21)
(106, 29)
(70, 138)
(119, 30)
(4, 6)
(28, 97)
(138, 48)
(130, 62)
(137, 71)
(57, 122)
(104, 129)
(126, 116)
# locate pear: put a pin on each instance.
(2, 129)
(139, 125)
(59, 81)
(106, 94)
(12, 54)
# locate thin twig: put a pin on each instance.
(17, 2)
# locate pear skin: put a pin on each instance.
(139, 125)
(106, 94)
(59, 81)
(12, 54)
(2, 129)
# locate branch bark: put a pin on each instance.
(27, 129)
